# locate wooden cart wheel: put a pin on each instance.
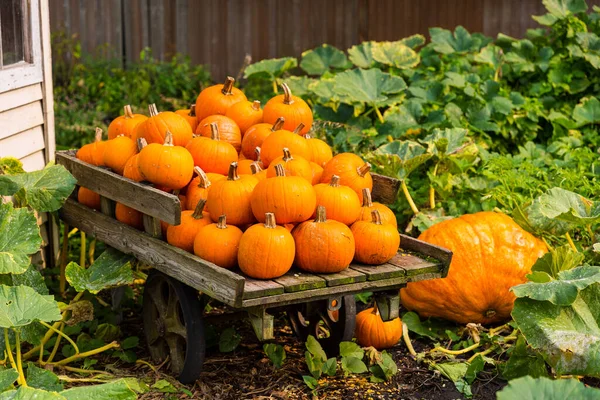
(172, 313)
(329, 321)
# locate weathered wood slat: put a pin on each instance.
(344, 277)
(385, 189)
(296, 281)
(141, 197)
(413, 264)
(216, 282)
(378, 272)
(256, 288)
(441, 254)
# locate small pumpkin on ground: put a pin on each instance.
(245, 114)
(126, 124)
(387, 215)
(183, 235)
(216, 99)
(219, 243)
(352, 170)
(341, 202)
(197, 189)
(228, 130)
(190, 116)
(256, 135)
(323, 246)
(376, 243)
(371, 330)
(294, 166)
(212, 154)
(88, 198)
(320, 152)
(132, 168)
(166, 165)
(491, 254)
(266, 250)
(155, 128)
(292, 108)
(274, 144)
(129, 216)
(93, 153)
(118, 151)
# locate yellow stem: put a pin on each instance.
(274, 86)
(10, 354)
(73, 232)
(407, 341)
(547, 244)
(482, 353)
(67, 360)
(102, 302)
(45, 339)
(82, 252)
(455, 352)
(589, 231)
(86, 371)
(92, 251)
(56, 344)
(379, 116)
(409, 198)
(431, 197)
(147, 364)
(19, 362)
(58, 332)
(41, 357)
(571, 242)
(77, 297)
(494, 331)
(95, 380)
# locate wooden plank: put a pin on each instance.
(34, 162)
(47, 88)
(23, 143)
(385, 189)
(444, 256)
(378, 272)
(257, 288)
(412, 264)
(18, 97)
(141, 197)
(20, 119)
(218, 283)
(344, 277)
(296, 281)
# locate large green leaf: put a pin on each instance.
(43, 379)
(116, 390)
(319, 60)
(399, 158)
(19, 237)
(446, 42)
(21, 305)
(361, 55)
(299, 85)
(590, 48)
(397, 121)
(528, 388)
(111, 269)
(29, 393)
(587, 111)
(368, 86)
(414, 41)
(271, 68)
(564, 205)
(396, 54)
(564, 8)
(524, 361)
(447, 141)
(562, 258)
(7, 377)
(490, 54)
(44, 190)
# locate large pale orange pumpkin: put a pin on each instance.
(216, 99)
(292, 108)
(256, 135)
(491, 254)
(228, 130)
(371, 330)
(93, 153)
(155, 128)
(125, 124)
(218, 243)
(351, 169)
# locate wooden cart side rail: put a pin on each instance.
(218, 283)
(139, 196)
(444, 256)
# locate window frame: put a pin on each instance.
(30, 71)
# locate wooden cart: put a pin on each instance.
(319, 304)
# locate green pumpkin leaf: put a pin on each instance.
(111, 269)
(270, 69)
(546, 19)
(361, 55)
(559, 259)
(19, 238)
(116, 390)
(31, 277)
(299, 85)
(323, 58)
(29, 393)
(311, 382)
(567, 206)
(590, 47)
(563, 8)
(44, 190)
(528, 388)
(10, 166)
(21, 305)
(276, 353)
(43, 379)
(314, 347)
(385, 368)
(414, 41)
(455, 371)
(229, 340)
(447, 141)
(396, 54)
(329, 368)
(351, 349)
(524, 361)
(7, 377)
(445, 42)
(314, 364)
(587, 111)
(399, 159)
(353, 365)
(368, 86)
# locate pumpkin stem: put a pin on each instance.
(256, 105)
(278, 124)
(232, 175)
(222, 223)
(192, 110)
(214, 131)
(255, 168)
(257, 152)
(128, 111)
(279, 170)
(363, 169)
(141, 143)
(376, 217)
(490, 313)
(287, 156)
(153, 110)
(335, 181)
(321, 214)
(204, 181)
(287, 94)
(228, 86)
(299, 128)
(168, 138)
(270, 221)
(367, 199)
(197, 214)
(98, 137)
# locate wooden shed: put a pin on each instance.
(26, 103)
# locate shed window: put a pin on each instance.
(14, 31)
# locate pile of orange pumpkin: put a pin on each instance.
(265, 194)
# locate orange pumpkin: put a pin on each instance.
(245, 114)
(183, 235)
(341, 202)
(216, 99)
(118, 151)
(317, 172)
(190, 116)
(212, 154)
(258, 172)
(231, 197)
(371, 330)
(323, 246)
(320, 152)
(93, 153)
(166, 165)
(218, 243)
(197, 189)
(126, 124)
(256, 135)
(351, 169)
(292, 108)
(88, 198)
(376, 243)
(274, 144)
(228, 130)
(387, 215)
(290, 198)
(294, 166)
(132, 168)
(266, 251)
(129, 216)
(155, 128)
(491, 254)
